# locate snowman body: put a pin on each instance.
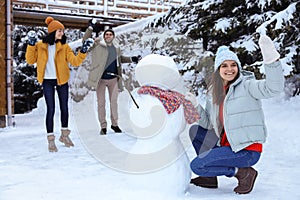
(163, 159)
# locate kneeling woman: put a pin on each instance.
(234, 114)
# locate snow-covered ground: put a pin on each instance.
(29, 171)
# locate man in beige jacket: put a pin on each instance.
(106, 72)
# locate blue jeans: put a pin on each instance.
(49, 86)
(202, 139)
(219, 160)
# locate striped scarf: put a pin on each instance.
(171, 101)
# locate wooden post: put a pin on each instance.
(3, 66)
(3, 102)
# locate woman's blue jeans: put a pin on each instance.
(49, 86)
(219, 160)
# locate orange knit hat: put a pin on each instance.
(53, 25)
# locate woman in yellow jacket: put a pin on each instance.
(52, 56)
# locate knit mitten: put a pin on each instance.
(32, 38)
(87, 44)
(268, 50)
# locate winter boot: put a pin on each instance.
(246, 178)
(64, 138)
(206, 182)
(51, 143)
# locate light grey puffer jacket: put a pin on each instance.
(244, 122)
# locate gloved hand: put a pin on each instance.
(136, 59)
(87, 44)
(32, 38)
(268, 50)
(95, 25)
(192, 98)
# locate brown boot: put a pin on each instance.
(64, 138)
(51, 143)
(246, 178)
(206, 182)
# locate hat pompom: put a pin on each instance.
(222, 48)
(49, 20)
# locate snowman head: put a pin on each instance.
(157, 70)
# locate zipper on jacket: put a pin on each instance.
(230, 88)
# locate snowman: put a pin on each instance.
(157, 119)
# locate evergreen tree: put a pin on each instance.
(231, 22)
(27, 90)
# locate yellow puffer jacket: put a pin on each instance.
(63, 55)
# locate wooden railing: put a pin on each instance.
(133, 9)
